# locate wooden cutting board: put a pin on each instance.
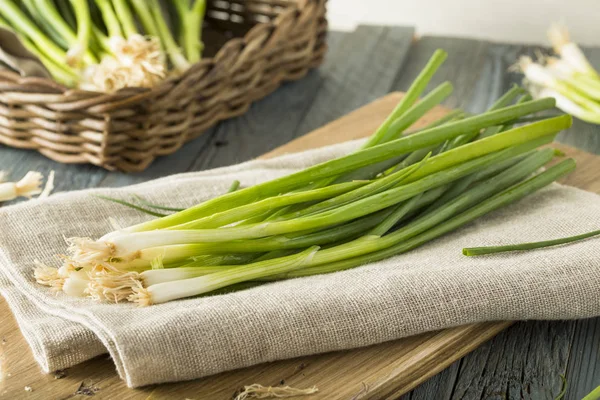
(383, 371)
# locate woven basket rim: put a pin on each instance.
(50, 86)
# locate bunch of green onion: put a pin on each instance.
(568, 77)
(106, 45)
(397, 192)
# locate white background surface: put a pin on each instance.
(522, 21)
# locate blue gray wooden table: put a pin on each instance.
(527, 360)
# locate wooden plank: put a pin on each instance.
(517, 364)
(479, 72)
(376, 372)
(583, 373)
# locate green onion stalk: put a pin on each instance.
(37, 16)
(176, 55)
(129, 58)
(149, 208)
(61, 74)
(174, 256)
(80, 47)
(191, 17)
(409, 98)
(570, 51)
(37, 42)
(480, 251)
(593, 395)
(48, 18)
(171, 290)
(470, 198)
(412, 113)
(106, 45)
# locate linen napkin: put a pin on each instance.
(429, 288)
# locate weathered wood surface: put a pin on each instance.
(382, 371)
(522, 362)
(525, 361)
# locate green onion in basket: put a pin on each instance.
(105, 45)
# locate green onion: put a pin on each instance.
(569, 51)
(513, 137)
(109, 16)
(61, 73)
(235, 185)
(570, 79)
(397, 214)
(567, 105)
(174, 52)
(17, 18)
(478, 251)
(125, 244)
(410, 189)
(503, 101)
(501, 199)
(410, 97)
(123, 14)
(84, 31)
(421, 224)
(50, 29)
(95, 45)
(371, 155)
(145, 16)
(376, 186)
(177, 255)
(26, 187)
(240, 213)
(593, 395)
(156, 276)
(462, 184)
(191, 21)
(130, 205)
(403, 112)
(194, 286)
(416, 111)
(453, 115)
(540, 76)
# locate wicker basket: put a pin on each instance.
(252, 46)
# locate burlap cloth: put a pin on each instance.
(430, 288)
